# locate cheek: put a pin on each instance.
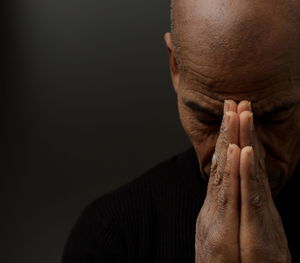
(282, 151)
(281, 141)
(202, 138)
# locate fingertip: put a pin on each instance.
(226, 105)
(233, 150)
(230, 105)
(229, 151)
(234, 147)
(237, 148)
(246, 158)
(244, 105)
(247, 151)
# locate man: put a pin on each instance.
(232, 197)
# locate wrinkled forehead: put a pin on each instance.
(227, 30)
(235, 43)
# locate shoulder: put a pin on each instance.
(117, 216)
(140, 192)
(177, 173)
(135, 199)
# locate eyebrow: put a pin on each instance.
(287, 105)
(197, 107)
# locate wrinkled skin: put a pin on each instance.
(242, 52)
(237, 51)
(220, 243)
(238, 221)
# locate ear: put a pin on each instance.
(172, 60)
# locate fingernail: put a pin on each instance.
(226, 105)
(229, 151)
(227, 119)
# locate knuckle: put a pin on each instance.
(216, 246)
(214, 164)
(221, 170)
(211, 242)
(226, 171)
(222, 198)
(255, 201)
(223, 166)
(268, 252)
(212, 248)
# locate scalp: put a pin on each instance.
(235, 32)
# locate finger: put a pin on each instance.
(248, 136)
(230, 105)
(228, 135)
(229, 126)
(246, 129)
(253, 194)
(244, 105)
(229, 129)
(231, 181)
(224, 187)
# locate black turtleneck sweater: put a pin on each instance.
(153, 218)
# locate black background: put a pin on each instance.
(86, 106)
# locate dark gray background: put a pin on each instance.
(87, 106)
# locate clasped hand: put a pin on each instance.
(238, 221)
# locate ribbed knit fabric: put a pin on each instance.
(152, 219)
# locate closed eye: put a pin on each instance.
(278, 114)
(275, 118)
(207, 119)
(206, 116)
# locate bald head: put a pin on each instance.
(235, 35)
(239, 50)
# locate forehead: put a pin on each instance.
(236, 49)
(245, 38)
(263, 100)
(279, 88)
(251, 83)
